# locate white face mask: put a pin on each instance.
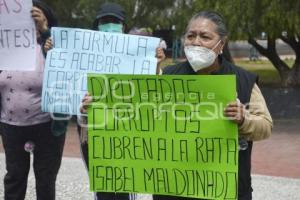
(200, 57)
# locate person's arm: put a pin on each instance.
(160, 55)
(47, 46)
(257, 123)
(82, 119)
(43, 31)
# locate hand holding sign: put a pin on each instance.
(40, 19)
(87, 100)
(235, 111)
(160, 55)
(48, 45)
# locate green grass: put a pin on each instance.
(267, 73)
(167, 62)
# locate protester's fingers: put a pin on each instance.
(84, 106)
(235, 112)
(37, 14)
(87, 99)
(36, 9)
(230, 114)
(157, 51)
(160, 55)
(46, 48)
(39, 18)
(87, 94)
(83, 110)
(49, 43)
(231, 109)
(160, 52)
(233, 117)
(233, 104)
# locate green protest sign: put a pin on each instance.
(163, 135)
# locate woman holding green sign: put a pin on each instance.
(204, 41)
(205, 37)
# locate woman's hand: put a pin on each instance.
(160, 55)
(48, 45)
(86, 101)
(39, 19)
(235, 111)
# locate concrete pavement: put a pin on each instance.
(276, 167)
(72, 184)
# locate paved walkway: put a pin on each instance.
(72, 184)
(276, 165)
(279, 155)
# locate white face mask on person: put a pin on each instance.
(200, 57)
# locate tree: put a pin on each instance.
(280, 19)
(247, 19)
(81, 13)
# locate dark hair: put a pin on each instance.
(215, 17)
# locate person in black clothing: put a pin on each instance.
(204, 41)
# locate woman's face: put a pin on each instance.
(202, 32)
